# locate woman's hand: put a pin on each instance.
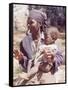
(17, 54)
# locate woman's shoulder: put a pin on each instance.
(27, 37)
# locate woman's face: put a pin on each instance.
(33, 26)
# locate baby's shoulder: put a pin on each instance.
(42, 46)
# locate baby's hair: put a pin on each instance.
(53, 32)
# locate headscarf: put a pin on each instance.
(39, 16)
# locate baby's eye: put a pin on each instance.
(54, 50)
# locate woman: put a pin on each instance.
(29, 45)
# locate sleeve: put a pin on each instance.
(58, 61)
(24, 60)
(22, 49)
(59, 58)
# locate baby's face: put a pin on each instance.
(48, 39)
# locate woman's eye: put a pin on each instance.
(31, 22)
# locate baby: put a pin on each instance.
(48, 50)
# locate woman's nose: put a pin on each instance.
(28, 25)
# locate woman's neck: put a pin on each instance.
(35, 37)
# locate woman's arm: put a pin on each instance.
(34, 69)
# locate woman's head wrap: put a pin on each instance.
(39, 16)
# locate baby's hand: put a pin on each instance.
(48, 56)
